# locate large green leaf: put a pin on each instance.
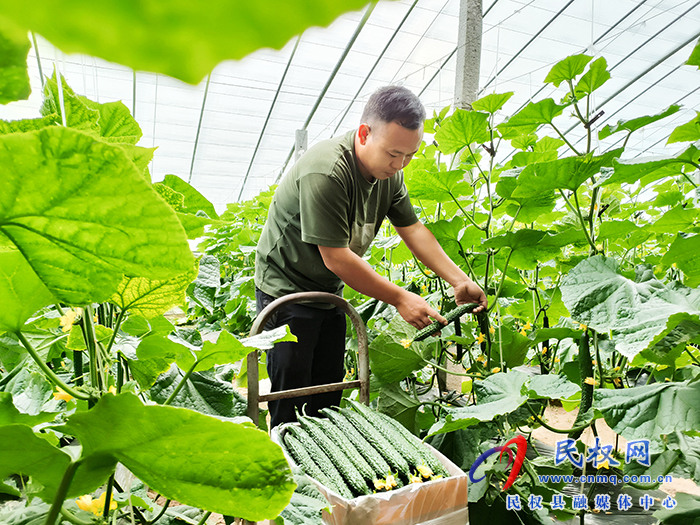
(532, 116)
(567, 69)
(195, 459)
(561, 174)
(204, 392)
(690, 131)
(22, 291)
(498, 394)
(448, 234)
(194, 201)
(687, 508)
(14, 79)
(461, 129)
(529, 208)
(116, 123)
(439, 186)
(23, 452)
(393, 355)
(653, 168)
(647, 412)
(595, 77)
(529, 246)
(9, 415)
(493, 102)
(150, 298)
(678, 219)
(684, 252)
(30, 124)
(640, 314)
(82, 216)
(550, 386)
(395, 402)
(181, 39)
(637, 123)
(78, 114)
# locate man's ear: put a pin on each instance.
(363, 133)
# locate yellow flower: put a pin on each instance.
(96, 506)
(589, 381)
(492, 330)
(556, 359)
(423, 288)
(582, 326)
(414, 479)
(667, 378)
(674, 265)
(95, 318)
(62, 394)
(112, 390)
(390, 481)
(604, 464)
(481, 358)
(424, 470)
(495, 370)
(523, 332)
(67, 320)
(428, 272)
(594, 362)
(405, 343)
(527, 326)
(379, 484)
(481, 338)
(544, 350)
(617, 381)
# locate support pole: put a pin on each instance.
(468, 53)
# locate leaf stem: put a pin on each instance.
(692, 356)
(577, 210)
(61, 493)
(181, 384)
(204, 518)
(50, 373)
(117, 324)
(564, 139)
(503, 278)
(72, 518)
(161, 513)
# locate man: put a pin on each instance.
(323, 217)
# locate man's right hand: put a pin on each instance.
(416, 311)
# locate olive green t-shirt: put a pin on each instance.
(324, 200)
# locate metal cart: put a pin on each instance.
(254, 397)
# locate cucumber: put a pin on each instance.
(426, 455)
(436, 326)
(339, 438)
(585, 366)
(379, 442)
(341, 461)
(375, 460)
(304, 461)
(335, 480)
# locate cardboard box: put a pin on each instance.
(438, 502)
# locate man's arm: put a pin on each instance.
(359, 275)
(425, 247)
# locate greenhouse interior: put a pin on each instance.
(411, 262)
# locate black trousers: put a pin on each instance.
(316, 358)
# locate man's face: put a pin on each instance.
(385, 148)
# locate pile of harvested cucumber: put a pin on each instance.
(359, 451)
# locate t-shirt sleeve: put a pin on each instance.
(401, 211)
(323, 210)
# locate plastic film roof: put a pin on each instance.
(231, 136)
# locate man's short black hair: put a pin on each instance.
(394, 104)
